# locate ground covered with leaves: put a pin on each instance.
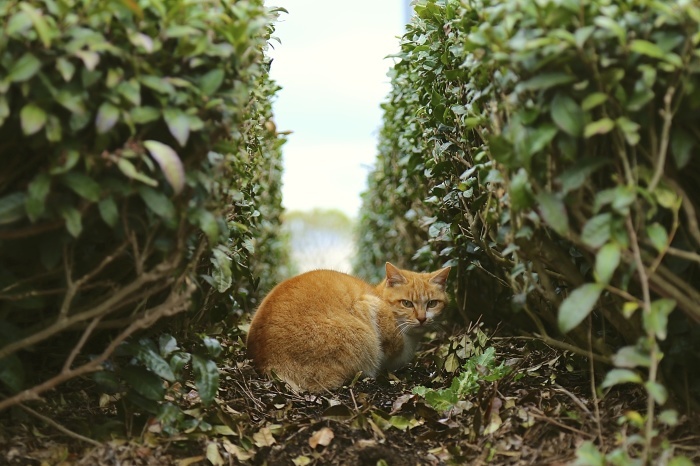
(468, 398)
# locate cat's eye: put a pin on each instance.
(432, 303)
(406, 303)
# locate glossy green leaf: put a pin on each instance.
(601, 126)
(553, 212)
(682, 145)
(567, 114)
(82, 185)
(33, 118)
(169, 163)
(647, 48)
(158, 203)
(178, 124)
(211, 82)
(36, 195)
(658, 236)
(108, 211)
(107, 117)
(577, 306)
(155, 363)
(657, 391)
(129, 170)
(73, 218)
(12, 207)
(620, 376)
(589, 455)
(547, 80)
(630, 129)
(212, 345)
(178, 361)
(606, 262)
(593, 100)
(206, 378)
(41, 26)
(596, 232)
(656, 319)
(167, 344)
(631, 357)
(66, 68)
(24, 68)
(144, 382)
(143, 115)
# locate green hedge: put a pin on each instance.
(549, 151)
(140, 179)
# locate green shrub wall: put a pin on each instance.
(140, 179)
(549, 151)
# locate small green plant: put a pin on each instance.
(154, 378)
(478, 368)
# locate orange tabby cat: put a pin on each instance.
(318, 329)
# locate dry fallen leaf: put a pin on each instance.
(263, 438)
(321, 437)
(213, 454)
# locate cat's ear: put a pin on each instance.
(440, 277)
(394, 276)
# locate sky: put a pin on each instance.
(332, 68)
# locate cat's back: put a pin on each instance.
(326, 290)
(301, 309)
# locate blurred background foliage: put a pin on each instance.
(548, 151)
(141, 179)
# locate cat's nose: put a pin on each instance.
(420, 319)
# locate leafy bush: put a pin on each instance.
(548, 151)
(140, 175)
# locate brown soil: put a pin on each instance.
(538, 414)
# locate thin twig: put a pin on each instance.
(59, 427)
(665, 135)
(176, 302)
(644, 283)
(83, 338)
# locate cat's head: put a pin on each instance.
(416, 298)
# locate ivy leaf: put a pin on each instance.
(206, 378)
(578, 305)
(567, 114)
(169, 162)
(32, 118)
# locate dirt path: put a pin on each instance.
(539, 413)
